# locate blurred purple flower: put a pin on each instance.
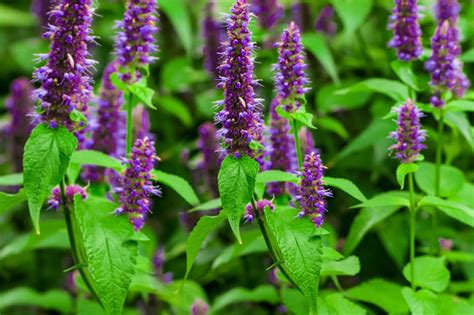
(301, 15)
(268, 12)
(307, 141)
(447, 9)
(446, 244)
(55, 200)
(311, 193)
(213, 34)
(199, 307)
(409, 135)
(158, 263)
(65, 79)
(41, 8)
(406, 30)
(263, 204)
(208, 144)
(141, 122)
(290, 78)
(20, 106)
(240, 119)
(325, 22)
(135, 183)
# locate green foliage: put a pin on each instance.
(346, 186)
(56, 300)
(178, 184)
(421, 302)
(316, 45)
(263, 293)
(12, 17)
(11, 179)
(178, 14)
(393, 89)
(403, 170)
(142, 92)
(336, 304)
(349, 266)
(430, 273)
(452, 179)
(384, 200)
(45, 161)
(275, 176)
(405, 72)
(177, 108)
(236, 184)
(9, 201)
(455, 210)
(352, 12)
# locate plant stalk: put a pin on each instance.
(412, 229)
(439, 157)
(129, 124)
(297, 143)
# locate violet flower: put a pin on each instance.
(406, 30)
(208, 144)
(40, 8)
(55, 200)
(290, 78)
(240, 119)
(311, 193)
(282, 153)
(136, 187)
(301, 14)
(158, 263)
(325, 22)
(268, 12)
(135, 39)
(65, 79)
(213, 34)
(307, 141)
(409, 135)
(263, 204)
(20, 107)
(199, 307)
(447, 10)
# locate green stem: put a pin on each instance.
(297, 143)
(439, 157)
(412, 229)
(129, 124)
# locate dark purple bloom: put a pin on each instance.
(261, 206)
(135, 183)
(290, 78)
(268, 12)
(55, 201)
(444, 65)
(108, 136)
(406, 30)
(240, 120)
(65, 79)
(282, 148)
(325, 22)
(158, 263)
(20, 106)
(135, 39)
(213, 34)
(301, 14)
(311, 194)
(141, 122)
(41, 8)
(307, 141)
(208, 144)
(199, 307)
(409, 135)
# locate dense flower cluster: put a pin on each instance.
(135, 186)
(325, 22)
(135, 39)
(290, 77)
(240, 119)
(409, 135)
(444, 65)
(311, 193)
(65, 79)
(406, 30)
(20, 107)
(55, 200)
(268, 12)
(208, 144)
(213, 34)
(282, 154)
(249, 215)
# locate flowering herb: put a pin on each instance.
(261, 205)
(213, 34)
(55, 199)
(240, 119)
(208, 144)
(325, 22)
(268, 12)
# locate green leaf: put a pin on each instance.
(391, 88)
(263, 293)
(181, 295)
(346, 186)
(329, 101)
(177, 12)
(452, 179)
(295, 301)
(455, 210)
(468, 56)
(118, 83)
(316, 44)
(196, 238)
(352, 12)
(337, 304)
(236, 181)
(178, 184)
(11, 179)
(384, 200)
(459, 121)
(111, 255)
(209, 205)
(142, 92)
(91, 157)
(301, 249)
(11, 17)
(45, 160)
(460, 106)
(405, 72)
(430, 273)
(454, 305)
(9, 201)
(423, 302)
(363, 222)
(334, 125)
(404, 169)
(349, 266)
(275, 176)
(384, 294)
(303, 117)
(177, 108)
(395, 241)
(56, 300)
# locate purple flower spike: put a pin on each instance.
(135, 39)
(55, 201)
(240, 119)
(199, 307)
(65, 79)
(307, 141)
(447, 10)
(208, 144)
(282, 148)
(290, 77)
(261, 206)
(409, 135)
(325, 22)
(20, 107)
(268, 12)
(311, 194)
(213, 34)
(406, 30)
(135, 183)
